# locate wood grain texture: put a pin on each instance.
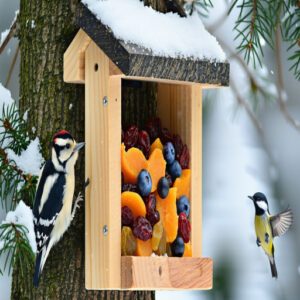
(180, 109)
(74, 60)
(134, 60)
(103, 168)
(166, 273)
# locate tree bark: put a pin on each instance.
(46, 30)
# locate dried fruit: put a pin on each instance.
(152, 216)
(127, 216)
(184, 227)
(150, 201)
(131, 136)
(142, 229)
(183, 183)
(153, 128)
(144, 142)
(129, 187)
(168, 176)
(165, 135)
(162, 247)
(184, 158)
(178, 145)
(158, 230)
(128, 242)
(187, 250)
(156, 144)
(135, 202)
(143, 248)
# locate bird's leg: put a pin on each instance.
(76, 204)
(87, 182)
(258, 242)
(267, 238)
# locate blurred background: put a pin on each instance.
(251, 143)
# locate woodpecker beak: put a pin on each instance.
(78, 147)
(250, 197)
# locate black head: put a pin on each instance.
(260, 202)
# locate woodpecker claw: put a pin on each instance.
(76, 204)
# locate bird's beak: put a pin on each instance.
(250, 197)
(78, 147)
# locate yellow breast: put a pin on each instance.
(262, 226)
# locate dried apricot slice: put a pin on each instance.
(168, 214)
(156, 144)
(156, 167)
(135, 202)
(187, 250)
(143, 248)
(132, 162)
(183, 183)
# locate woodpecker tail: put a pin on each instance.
(273, 267)
(37, 270)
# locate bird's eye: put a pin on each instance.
(68, 146)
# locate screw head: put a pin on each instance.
(105, 230)
(105, 100)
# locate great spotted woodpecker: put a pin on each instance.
(52, 209)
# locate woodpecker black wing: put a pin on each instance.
(281, 222)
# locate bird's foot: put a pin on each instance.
(258, 242)
(76, 204)
(87, 182)
(267, 238)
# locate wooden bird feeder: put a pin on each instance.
(99, 60)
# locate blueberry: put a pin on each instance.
(144, 183)
(177, 247)
(169, 153)
(174, 170)
(183, 205)
(163, 187)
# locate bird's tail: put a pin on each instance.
(273, 267)
(37, 270)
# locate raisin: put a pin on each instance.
(184, 227)
(128, 241)
(127, 216)
(142, 229)
(150, 202)
(184, 159)
(165, 136)
(157, 233)
(131, 136)
(162, 247)
(144, 142)
(178, 145)
(129, 187)
(152, 216)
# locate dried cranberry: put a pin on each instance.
(150, 202)
(129, 187)
(144, 142)
(153, 128)
(127, 216)
(184, 159)
(142, 229)
(153, 216)
(168, 176)
(178, 145)
(165, 136)
(184, 227)
(131, 136)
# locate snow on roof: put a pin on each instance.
(166, 35)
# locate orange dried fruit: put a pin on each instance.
(168, 214)
(135, 202)
(132, 162)
(157, 144)
(156, 167)
(183, 183)
(187, 250)
(143, 248)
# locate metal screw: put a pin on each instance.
(105, 230)
(105, 100)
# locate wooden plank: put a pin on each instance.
(180, 109)
(74, 60)
(149, 273)
(103, 168)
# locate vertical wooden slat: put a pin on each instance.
(103, 168)
(180, 109)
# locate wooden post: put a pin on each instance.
(103, 167)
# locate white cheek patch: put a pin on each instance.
(61, 142)
(262, 205)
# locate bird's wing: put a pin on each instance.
(281, 222)
(45, 214)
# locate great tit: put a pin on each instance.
(267, 226)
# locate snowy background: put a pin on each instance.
(235, 165)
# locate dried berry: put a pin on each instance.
(129, 187)
(127, 216)
(128, 242)
(150, 202)
(142, 229)
(157, 234)
(152, 216)
(153, 128)
(131, 136)
(178, 145)
(165, 135)
(144, 142)
(184, 227)
(184, 159)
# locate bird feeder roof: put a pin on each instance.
(172, 48)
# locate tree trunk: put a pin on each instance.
(46, 30)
